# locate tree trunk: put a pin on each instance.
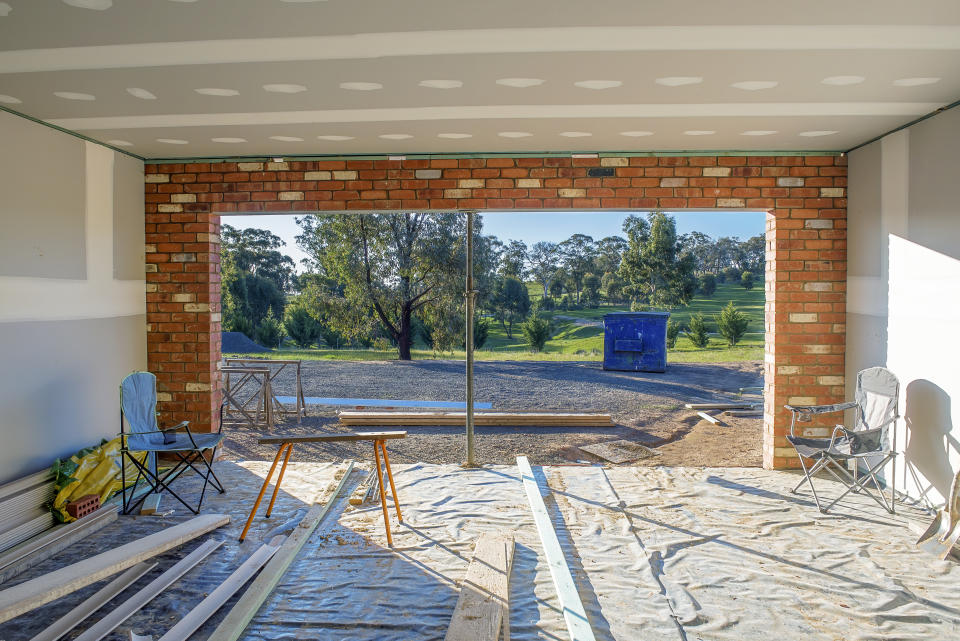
(405, 338)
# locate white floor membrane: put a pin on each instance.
(656, 553)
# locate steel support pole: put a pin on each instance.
(469, 295)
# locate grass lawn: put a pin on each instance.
(572, 342)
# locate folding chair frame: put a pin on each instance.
(824, 460)
(159, 482)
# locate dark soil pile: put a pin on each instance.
(238, 343)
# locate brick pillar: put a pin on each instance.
(806, 301)
(183, 297)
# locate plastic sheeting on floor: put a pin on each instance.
(657, 553)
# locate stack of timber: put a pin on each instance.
(490, 419)
(22, 508)
(41, 590)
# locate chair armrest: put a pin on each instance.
(180, 425)
(821, 409)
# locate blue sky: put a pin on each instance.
(554, 227)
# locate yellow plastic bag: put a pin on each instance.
(92, 470)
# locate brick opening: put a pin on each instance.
(805, 263)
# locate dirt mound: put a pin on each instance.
(238, 343)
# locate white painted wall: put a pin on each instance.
(903, 305)
(66, 341)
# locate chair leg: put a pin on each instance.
(123, 490)
(813, 470)
(807, 476)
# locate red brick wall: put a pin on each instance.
(806, 244)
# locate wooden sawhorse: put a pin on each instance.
(286, 448)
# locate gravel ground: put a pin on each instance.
(647, 407)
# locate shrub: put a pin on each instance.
(673, 331)
(243, 325)
(732, 323)
(269, 332)
(537, 331)
(731, 274)
(301, 327)
(697, 331)
(746, 279)
(708, 284)
(481, 329)
(421, 329)
(639, 306)
(546, 303)
(330, 337)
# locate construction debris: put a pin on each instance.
(490, 419)
(151, 504)
(622, 451)
(570, 603)
(943, 533)
(237, 620)
(42, 546)
(720, 406)
(96, 601)
(483, 607)
(22, 508)
(710, 419)
(215, 600)
(743, 413)
(51, 586)
(363, 490)
(128, 608)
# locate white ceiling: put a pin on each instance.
(221, 78)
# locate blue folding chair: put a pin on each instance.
(138, 405)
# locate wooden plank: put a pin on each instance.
(710, 419)
(51, 586)
(485, 592)
(360, 493)
(222, 593)
(743, 413)
(128, 608)
(41, 547)
(151, 504)
(97, 600)
(253, 598)
(573, 613)
(719, 406)
(325, 438)
(492, 419)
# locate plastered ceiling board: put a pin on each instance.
(380, 77)
(42, 202)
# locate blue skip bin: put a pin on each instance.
(635, 341)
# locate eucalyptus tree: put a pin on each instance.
(578, 252)
(655, 268)
(388, 267)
